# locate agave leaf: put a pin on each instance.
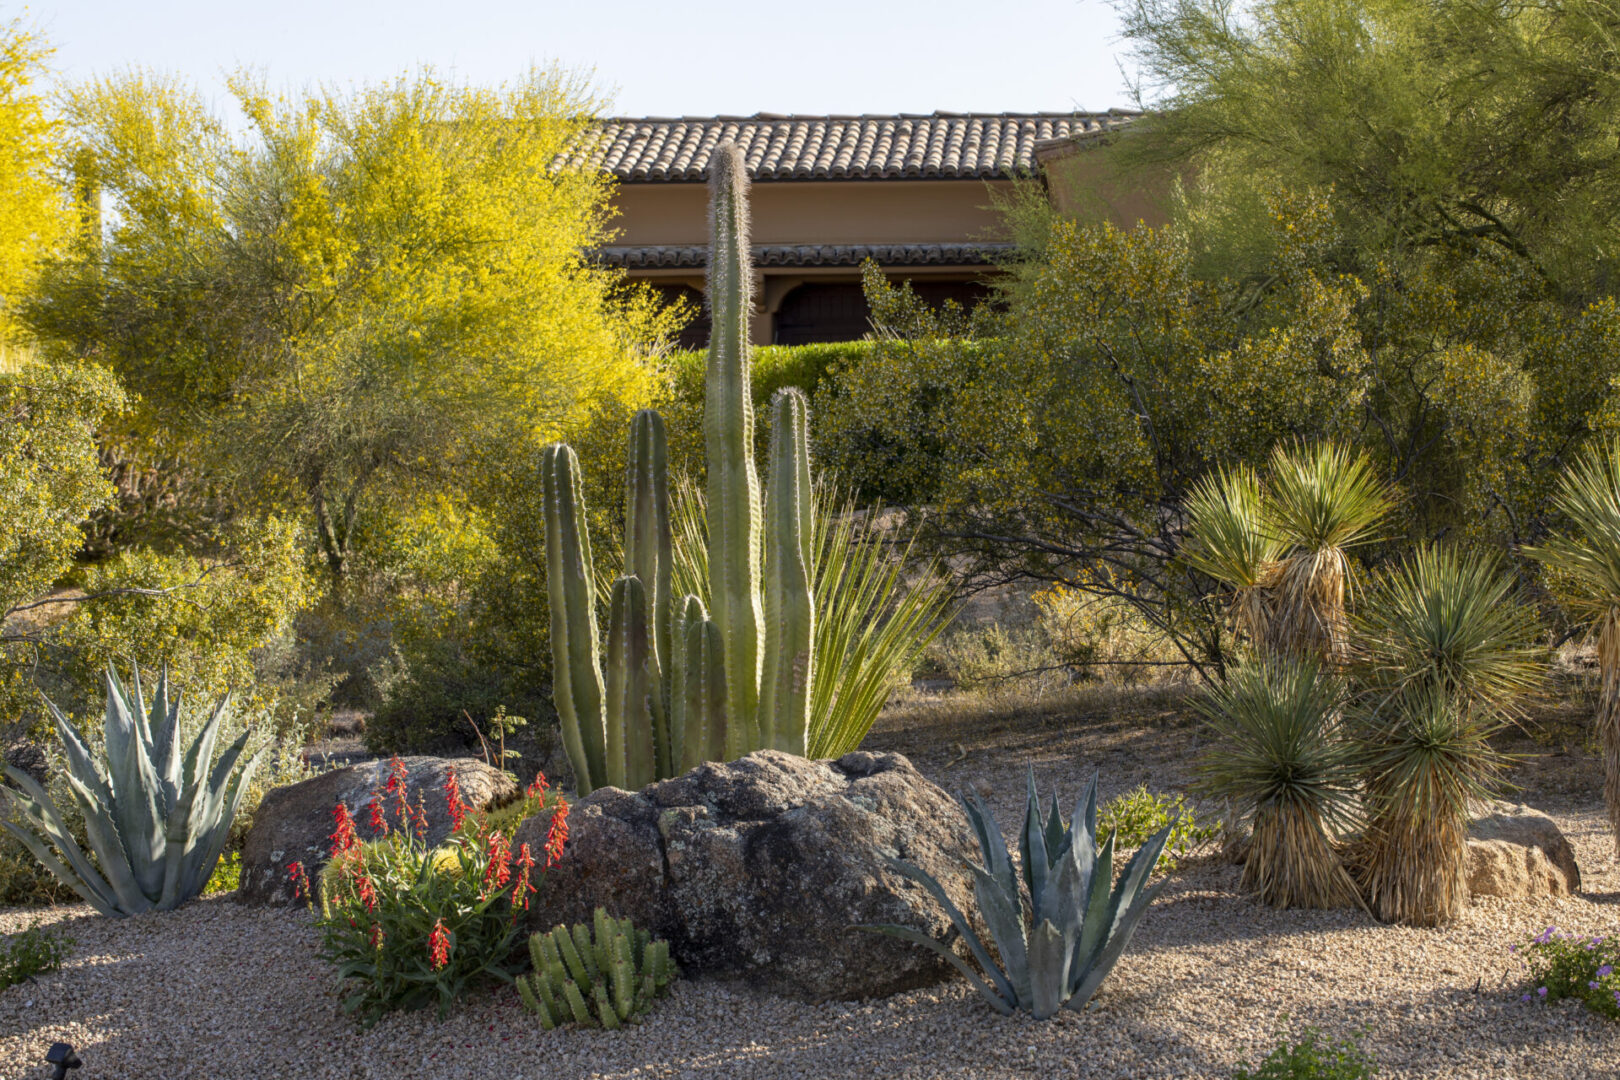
(136, 793)
(1049, 969)
(37, 807)
(1097, 920)
(1137, 871)
(43, 853)
(1057, 837)
(997, 859)
(102, 832)
(1003, 913)
(164, 724)
(1032, 847)
(912, 934)
(1093, 978)
(201, 859)
(963, 927)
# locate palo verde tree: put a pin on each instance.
(347, 305)
(32, 217)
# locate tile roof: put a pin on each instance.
(935, 145)
(697, 255)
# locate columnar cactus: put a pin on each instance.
(607, 978)
(683, 685)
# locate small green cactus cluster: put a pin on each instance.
(606, 980)
(682, 685)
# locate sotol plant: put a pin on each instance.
(156, 819)
(1062, 931)
(687, 681)
(605, 979)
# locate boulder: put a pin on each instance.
(294, 823)
(1517, 853)
(759, 869)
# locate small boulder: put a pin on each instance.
(294, 823)
(759, 869)
(1517, 853)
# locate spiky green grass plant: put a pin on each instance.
(1288, 775)
(872, 621)
(1319, 503)
(1588, 497)
(1227, 540)
(1449, 653)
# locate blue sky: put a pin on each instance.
(656, 58)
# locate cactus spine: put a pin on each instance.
(790, 610)
(684, 685)
(728, 429)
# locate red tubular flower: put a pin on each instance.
(377, 936)
(396, 787)
(499, 869)
(419, 821)
(521, 891)
(537, 790)
(300, 880)
(343, 835)
(375, 819)
(557, 834)
(367, 890)
(452, 798)
(439, 945)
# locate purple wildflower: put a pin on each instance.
(1541, 992)
(1603, 971)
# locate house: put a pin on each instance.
(912, 192)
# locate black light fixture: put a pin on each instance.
(62, 1056)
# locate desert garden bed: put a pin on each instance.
(220, 989)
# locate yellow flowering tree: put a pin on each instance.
(32, 214)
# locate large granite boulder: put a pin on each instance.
(759, 868)
(294, 823)
(1517, 853)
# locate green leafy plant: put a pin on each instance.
(156, 820)
(31, 952)
(1133, 818)
(406, 926)
(1313, 1057)
(1288, 776)
(603, 979)
(227, 876)
(1562, 965)
(1061, 931)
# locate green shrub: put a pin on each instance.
(1311, 1058)
(227, 876)
(406, 926)
(1132, 818)
(1569, 966)
(31, 952)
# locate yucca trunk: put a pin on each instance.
(1412, 866)
(1305, 614)
(1291, 862)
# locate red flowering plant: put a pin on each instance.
(407, 925)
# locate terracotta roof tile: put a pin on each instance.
(937, 145)
(697, 255)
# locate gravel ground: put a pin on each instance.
(219, 990)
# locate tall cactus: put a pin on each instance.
(790, 610)
(682, 685)
(728, 430)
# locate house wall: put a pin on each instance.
(814, 212)
(1084, 181)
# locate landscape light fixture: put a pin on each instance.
(62, 1056)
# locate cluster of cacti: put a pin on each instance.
(602, 979)
(156, 820)
(682, 685)
(1061, 932)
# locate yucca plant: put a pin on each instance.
(1588, 497)
(871, 625)
(1449, 653)
(1228, 541)
(1425, 754)
(1288, 775)
(1319, 503)
(1061, 924)
(156, 820)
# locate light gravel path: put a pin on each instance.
(218, 990)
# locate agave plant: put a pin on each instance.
(871, 624)
(1287, 773)
(156, 820)
(1063, 929)
(1589, 497)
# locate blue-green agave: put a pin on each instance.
(155, 819)
(1079, 926)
